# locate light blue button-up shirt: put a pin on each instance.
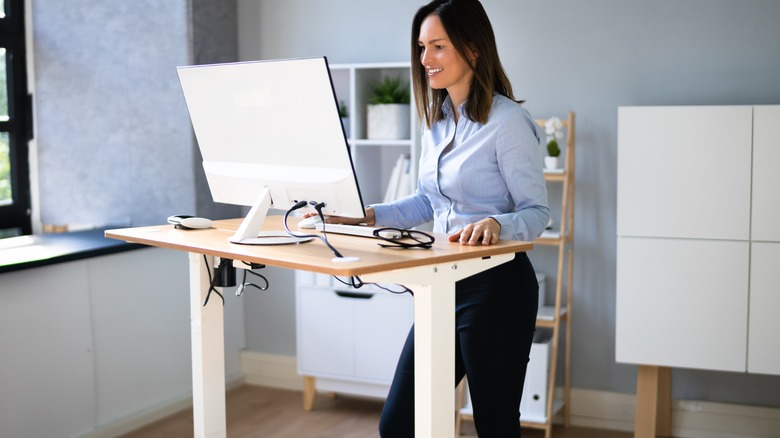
(469, 171)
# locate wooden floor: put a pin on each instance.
(254, 411)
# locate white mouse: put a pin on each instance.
(190, 222)
(196, 222)
(309, 222)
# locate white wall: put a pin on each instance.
(569, 55)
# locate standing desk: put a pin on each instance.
(431, 274)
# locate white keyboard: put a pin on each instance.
(357, 230)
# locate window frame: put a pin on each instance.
(16, 218)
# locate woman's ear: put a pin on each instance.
(472, 53)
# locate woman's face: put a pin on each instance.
(445, 67)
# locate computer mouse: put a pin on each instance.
(309, 222)
(196, 222)
(190, 222)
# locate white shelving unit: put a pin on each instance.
(373, 159)
(349, 340)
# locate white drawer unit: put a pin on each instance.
(349, 339)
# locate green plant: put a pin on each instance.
(553, 127)
(343, 111)
(389, 90)
(553, 149)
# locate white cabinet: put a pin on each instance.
(698, 237)
(96, 344)
(349, 339)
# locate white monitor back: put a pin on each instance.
(272, 125)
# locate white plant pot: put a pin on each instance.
(550, 163)
(388, 121)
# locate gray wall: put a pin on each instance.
(567, 55)
(114, 140)
(114, 145)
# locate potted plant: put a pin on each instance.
(389, 109)
(554, 130)
(344, 114)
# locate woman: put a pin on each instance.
(480, 180)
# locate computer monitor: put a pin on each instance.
(270, 136)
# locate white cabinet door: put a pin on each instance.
(684, 171)
(682, 303)
(352, 334)
(325, 333)
(382, 324)
(764, 349)
(766, 178)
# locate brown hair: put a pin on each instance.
(468, 27)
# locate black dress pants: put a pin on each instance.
(495, 322)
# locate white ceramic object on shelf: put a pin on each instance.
(388, 121)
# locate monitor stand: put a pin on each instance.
(249, 232)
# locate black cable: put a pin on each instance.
(354, 281)
(357, 283)
(244, 284)
(323, 236)
(211, 284)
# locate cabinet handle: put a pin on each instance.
(358, 295)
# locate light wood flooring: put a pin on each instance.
(255, 411)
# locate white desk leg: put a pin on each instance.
(208, 354)
(434, 316)
(434, 338)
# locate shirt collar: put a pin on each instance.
(446, 108)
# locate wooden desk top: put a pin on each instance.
(314, 255)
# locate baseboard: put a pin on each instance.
(690, 418)
(151, 414)
(589, 408)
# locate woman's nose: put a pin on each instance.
(424, 56)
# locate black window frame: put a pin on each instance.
(16, 218)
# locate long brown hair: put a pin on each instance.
(468, 27)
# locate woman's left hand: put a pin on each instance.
(485, 231)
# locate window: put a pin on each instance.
(15, 123)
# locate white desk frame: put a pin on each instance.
(434, 318)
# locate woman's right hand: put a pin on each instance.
(369, 219)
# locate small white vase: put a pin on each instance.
(388, 121)
(550, 163)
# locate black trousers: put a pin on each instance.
(495, 323)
